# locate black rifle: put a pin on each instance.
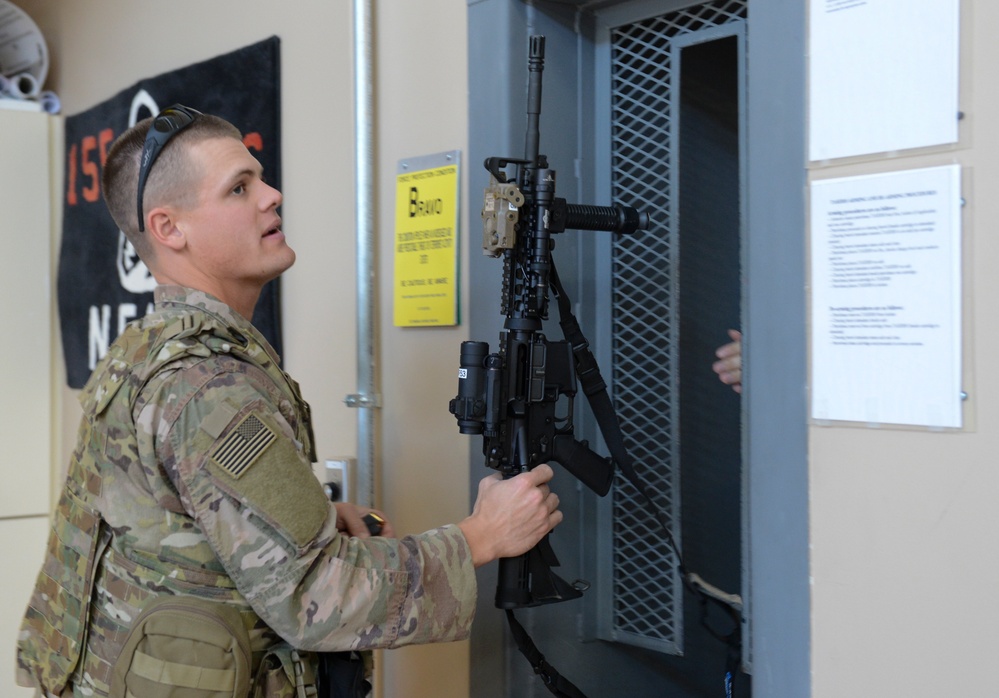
(520, 399)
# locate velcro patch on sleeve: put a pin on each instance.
(219, 419)
(243, 446)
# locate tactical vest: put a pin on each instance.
(93, 585)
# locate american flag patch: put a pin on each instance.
(243, 445)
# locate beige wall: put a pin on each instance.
(99, 47)
(422, 108)
(903, 522)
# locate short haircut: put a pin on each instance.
(172, 179)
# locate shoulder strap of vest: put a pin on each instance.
(144, 349)
(220, 337)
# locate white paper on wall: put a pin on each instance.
(883, 75)
(886, 298)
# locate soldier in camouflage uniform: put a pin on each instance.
(193, 553)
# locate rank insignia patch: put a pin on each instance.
(243, 445)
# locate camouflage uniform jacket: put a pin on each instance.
(192, 476)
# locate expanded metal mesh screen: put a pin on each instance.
(647, 592)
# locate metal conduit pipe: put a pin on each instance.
(367, 399)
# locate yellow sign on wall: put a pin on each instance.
(426, 240)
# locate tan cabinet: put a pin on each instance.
(26, 356)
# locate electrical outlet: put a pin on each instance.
(337, 477)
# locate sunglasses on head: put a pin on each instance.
(167, 124)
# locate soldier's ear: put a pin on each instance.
(162, 228)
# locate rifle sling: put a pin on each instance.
(554, 682)
(595, 389)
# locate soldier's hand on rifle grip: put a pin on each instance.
(511, 516)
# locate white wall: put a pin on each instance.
(102, 46)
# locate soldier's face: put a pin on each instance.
(234, 231)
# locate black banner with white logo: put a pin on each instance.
(102, 284)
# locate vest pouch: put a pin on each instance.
(184, 647)
(285, 673)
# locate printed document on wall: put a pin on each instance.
(886, 298)
(883, 75)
